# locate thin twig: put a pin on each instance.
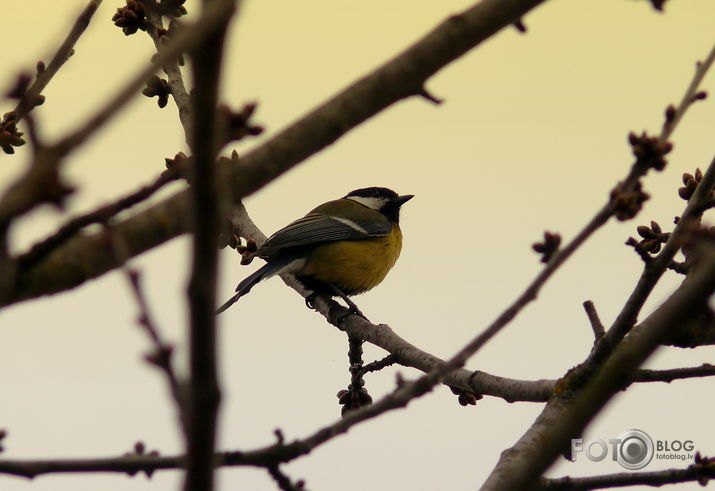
(596, 324)
(42, 183)
(174, 75)
(186, 39)
(653, 271)
(101, 215)
(160, 355)
(397, 79)
(379, 364)
(64, 52)
(566, 416)
(532, 290)
(283, 481)
(402, 351)
(692, 473)
(704, 370)
(689, 98)
(563, 417)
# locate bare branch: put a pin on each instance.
(185, 40)
(65, 51)
(206, 192)
(162, 352)
(654, 269)
(173, 72)
(401, 351)
(695, 472)
(567, 415)
(704, 370)
(399, 78)
(596, 325)
(41, 183)
(100, 215)
(690, 96)
(283, 481)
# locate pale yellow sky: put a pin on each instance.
(532, 136)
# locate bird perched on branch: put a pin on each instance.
(341, 248)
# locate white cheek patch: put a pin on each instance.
(351, 224)
(374, 203)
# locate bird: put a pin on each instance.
(342, 248)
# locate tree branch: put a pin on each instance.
(65, 51)
(654, 269)
(572, 409)
(594, 319)
(694, 472)
(187, 39)
(704, 370)
(402, 351)
(401, 77)
(66, 231)
(206, 192)
(173, 73)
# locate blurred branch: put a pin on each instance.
(680, 304)
(161, 353)
(101, 215)
(699, 332)
(186, 39)
(65, 51)
(283, 481)
(401, 77)
(558, 257)
(207, 195)
(700, 472)
(42, 183)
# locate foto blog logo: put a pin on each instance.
(633, 449)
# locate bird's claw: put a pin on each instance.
(352, 310)
(309, 301)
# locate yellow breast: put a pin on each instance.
(354, 266)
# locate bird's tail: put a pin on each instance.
(266, 271)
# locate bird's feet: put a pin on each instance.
(354, 310)
(342, 314)
(309, 301)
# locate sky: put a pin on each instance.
(531, 137)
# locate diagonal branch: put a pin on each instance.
(65, 51)
(100, 215)
(41, 182)
(402, 351)
(568, 414)
(186, 39)
(653, 271)
(655, 268)
(401, 77)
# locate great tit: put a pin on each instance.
(341, 248)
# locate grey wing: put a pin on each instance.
(315, 228)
